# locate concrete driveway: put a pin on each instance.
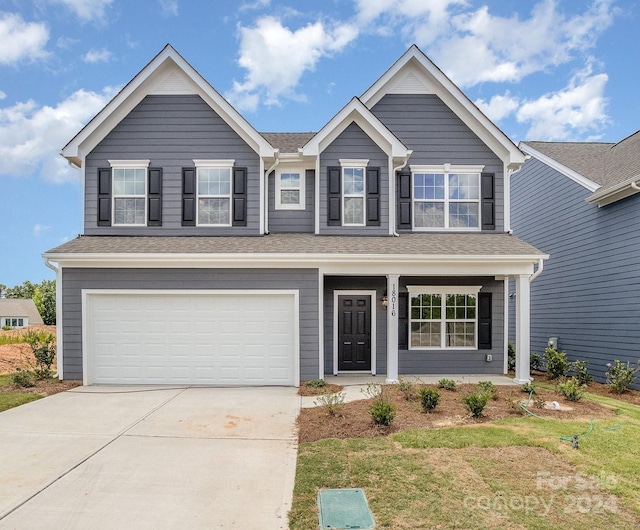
(143, 457)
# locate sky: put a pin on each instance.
(556, 70)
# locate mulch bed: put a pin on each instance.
(306, 390)
(353, 420)
(45, 387)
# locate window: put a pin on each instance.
(129, 191)
(290, 188)
(443, 318)
(214, 192)
(14, 322)
(353, 192)
(447, 197)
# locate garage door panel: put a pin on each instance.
(191, 338)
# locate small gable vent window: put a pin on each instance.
(290, 189)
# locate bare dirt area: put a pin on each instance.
(19, 355)
(307, 390)
(352, 420)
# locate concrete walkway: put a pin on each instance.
(143, 457)
(355, 384)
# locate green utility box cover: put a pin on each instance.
(343, 509)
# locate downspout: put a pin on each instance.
(635, 186)
(538, 271)
(56, 270)
(395, 170)
(266, 191)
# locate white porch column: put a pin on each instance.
(392, 328)
(523, 337)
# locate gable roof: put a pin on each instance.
(20, 308)
(611, 170)
(167, 73)
(414, 72)
(356, 112)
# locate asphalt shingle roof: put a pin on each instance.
(407, 244)
(18, 307)
(288, 142)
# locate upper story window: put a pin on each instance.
(129, 191)
(353, 192)
(446, 197)
(214, 190)
(443, 317)
(290, 189)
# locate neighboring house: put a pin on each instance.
(18, 313)
(213, 254)
(580, 203)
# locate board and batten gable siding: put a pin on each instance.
(353, 143)
(588, 293)
(338, 283)
(281, 221)
(74, 280)
(171, 131)
(437, 136)
(459, 361)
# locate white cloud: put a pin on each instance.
(258, 4)
(499, 106)
(31, 135)
(20, 40)
(2, 95)
(87, 10)
(38, 229)
(571, 113)
(97, 56)
(474, 46)
(169, 8)
(276, 57)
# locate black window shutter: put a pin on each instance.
(334, 188)
(239, 196)
(487, 189)
(155, 197)
(404, 200)
(104, 197)
(373, 196)
(484, 321)
(403, 321)
(188, 196)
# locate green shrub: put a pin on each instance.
(43, 347)
(572, 389)
(447, 384)
(556, 363)
(535, 361)
(488, 388)
(475, 403)
(408, 388)
(22, 378)
(429, 398)
(620, 377)
(529, 388)
(382, 412)
(316, 383)
(330, 401)
(540, 403)
(580, 372)
(511, 356)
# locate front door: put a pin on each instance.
(354, 332)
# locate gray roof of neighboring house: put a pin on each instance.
(19, 307)
(605, 163)
(288, 142)
(407, 244)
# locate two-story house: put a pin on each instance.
(213, 254)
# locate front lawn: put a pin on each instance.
(13, 396)
(512, 472)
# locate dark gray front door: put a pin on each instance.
(354, 332)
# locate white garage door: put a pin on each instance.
(195, 337)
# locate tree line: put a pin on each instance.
(43, 295)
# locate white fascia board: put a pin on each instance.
(143, 84)
(614, 193)
(356, 112)
(560, 168)
(454, 98)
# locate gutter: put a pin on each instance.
(538, 270)
(55, 269)
(266, 191)
(395, 170)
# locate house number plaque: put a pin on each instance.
(394, 297)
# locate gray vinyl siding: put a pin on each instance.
(293, 220)
(588, 293)
(74, 280)
(354, 143)
(335, 283)
(172, 131)
(437, 136)
(459, 361)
